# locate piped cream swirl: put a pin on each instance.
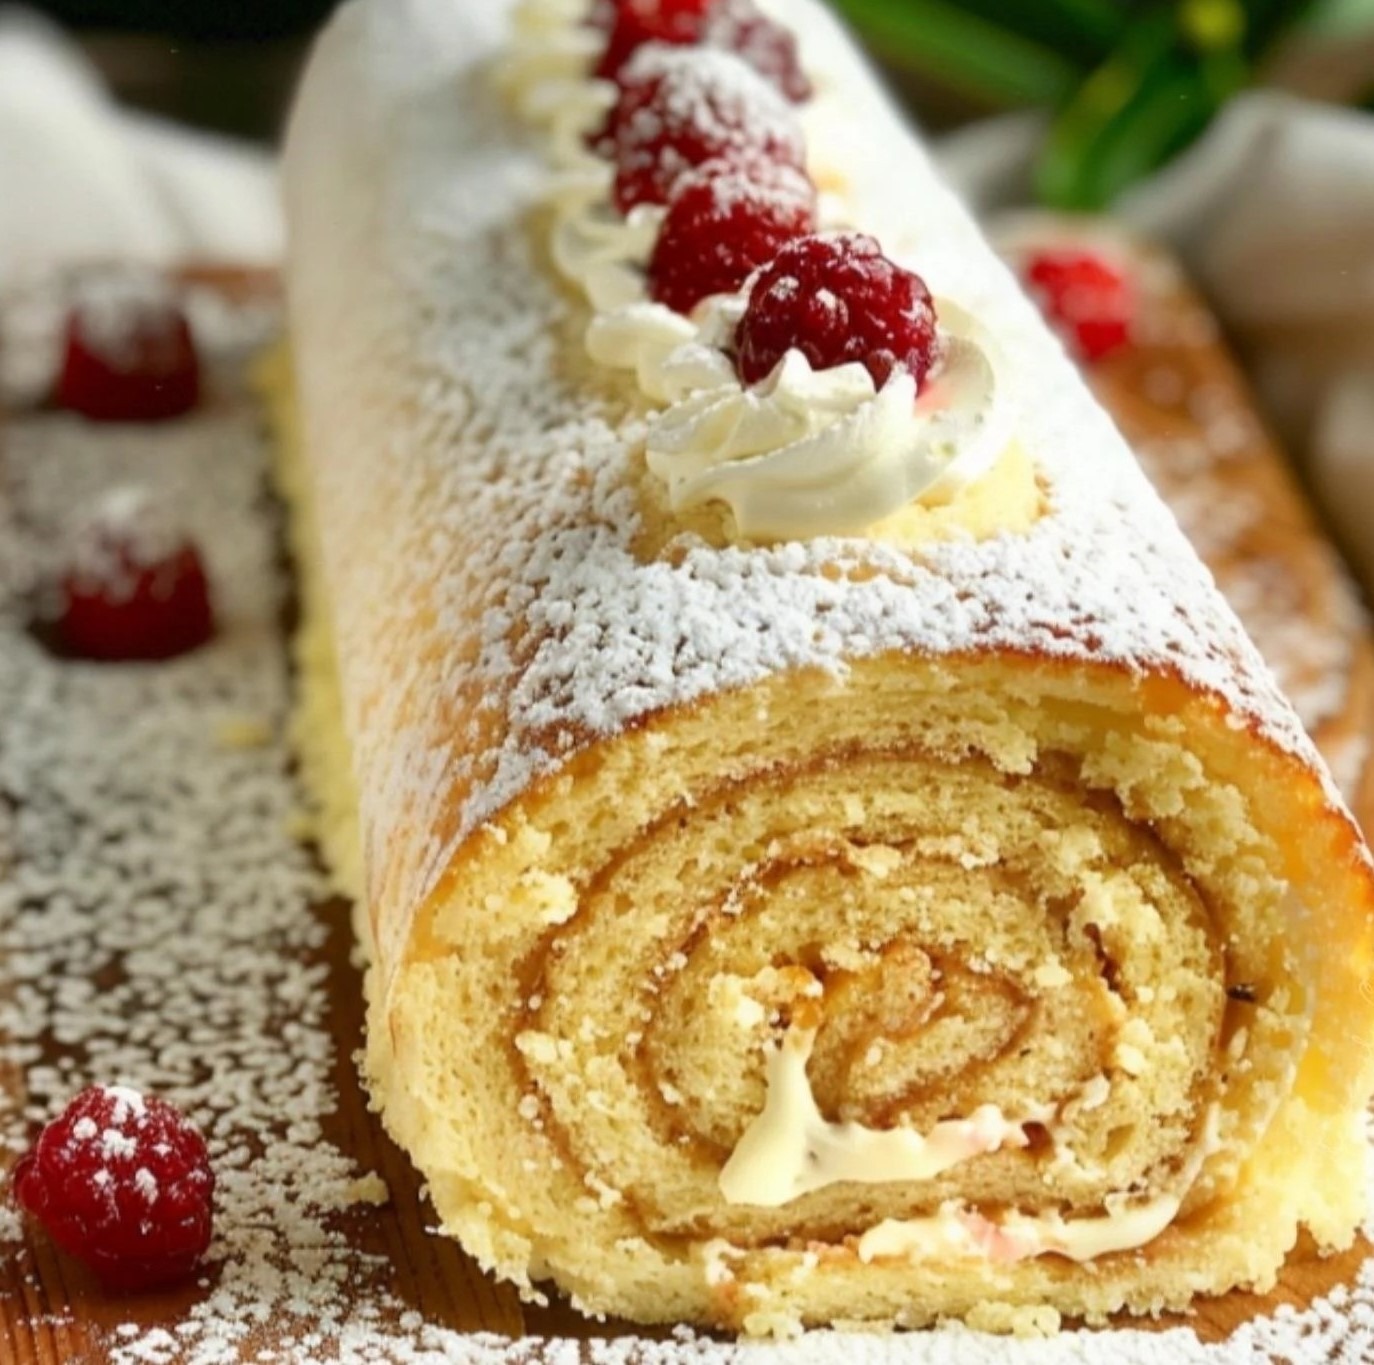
(671, 356)
(549, 62)
(604, 252)
(825, 452)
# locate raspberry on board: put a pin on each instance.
(838, 300)
(679, 108)
(128, 353)
(1087, 299)
(135, 587)
(725, 220)
(123, 1183)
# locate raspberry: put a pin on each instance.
(631, 24)
(1089, 301)
(135, 587)
(837, 299)
(741, 27)
(723, 222)
(679, 109)
(129, 354)
(124, 1184)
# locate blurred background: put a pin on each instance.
(228, 66)
(1148, 74)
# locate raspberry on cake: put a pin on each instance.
(724, 221)
(1089, 300)
(122, 1182)
(630, 24)
(129, 355)
(680, 108)
(739, 26)
(135, 587)
(837, 299)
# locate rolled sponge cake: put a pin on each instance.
(950, 921)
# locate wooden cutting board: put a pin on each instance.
(383, 1270)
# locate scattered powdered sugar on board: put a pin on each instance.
(155, 920)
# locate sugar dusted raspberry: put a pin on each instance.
(1089, 301)
(837, 299)
(129, 355)
(739, 26)
(123, 1183)
(680, 108)
(135, 586)
(630, 24)
(723, 222)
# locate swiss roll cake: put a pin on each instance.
(824, 849)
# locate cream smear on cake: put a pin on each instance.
(790, 1149)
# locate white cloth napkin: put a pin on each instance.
(1273, 213)
(82, 180)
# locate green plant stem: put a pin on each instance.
(944, 39)
(1083, 30)
(1151, 98)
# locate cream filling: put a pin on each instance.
(791, 1149)
(959, 1231)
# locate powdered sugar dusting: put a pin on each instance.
(128, 1102)
(117, 1144)
(127, 530)
(155, 929)
(1213, 462)
(769, 47)
(123, 311)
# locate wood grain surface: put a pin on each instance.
(52, 1312)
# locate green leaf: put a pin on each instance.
(1067, 172)
(1083, 30)
(1172, 71)
(966, 51)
